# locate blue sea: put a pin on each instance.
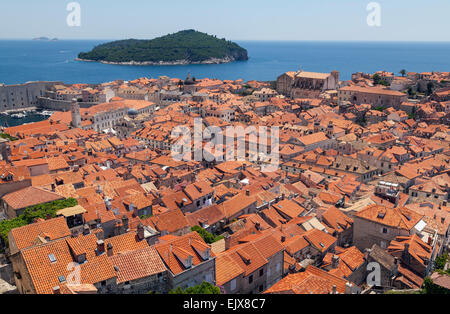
(22, 61)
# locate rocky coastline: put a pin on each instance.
(177, 62)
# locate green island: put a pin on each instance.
(184, 47)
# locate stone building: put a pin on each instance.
(303, 84)
(380, 225)
(251, 267)
(24, 96)
(375, 96)
(76, 115)
(189, 260)
(140, 271)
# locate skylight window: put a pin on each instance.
(52, 258)
(321, 244)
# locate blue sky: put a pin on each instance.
(401, 20)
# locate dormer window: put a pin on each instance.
(52, 258)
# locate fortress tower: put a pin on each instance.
(76, 115)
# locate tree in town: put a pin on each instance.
(204, 288)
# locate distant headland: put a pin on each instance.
(45, 39)
(184, 47)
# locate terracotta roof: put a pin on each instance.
(137, 264)
(126, 242)
(226, 269)
(289, 208)
(36, 233)
(208, 215)
(173, 251)
(47, 266)
(394, 217)
(319, 239)
(336, 219)
(30, 196)
(312, 281)
(171, 221)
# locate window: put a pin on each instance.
(261, 288)
(384, 230)
(52, 258)
(278, 267)
(261, 273)
(250, 279)
(233, 285)
(383, 244)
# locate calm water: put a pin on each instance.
(22, 61)
(8, 121)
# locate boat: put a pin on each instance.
(47, 113)
(18, 115)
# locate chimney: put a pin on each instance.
(348, 288)
(334, 291)
(125, 222)
(247, 192)
(283, 238)
(405, 254)
(396, 261)
(140, 232)
(86, 230)
(109, 249)
(334, 261)
(100, 247)
(56, 290)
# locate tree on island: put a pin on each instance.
(204, 288)
(403, 72)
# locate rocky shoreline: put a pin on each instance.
(178, 62)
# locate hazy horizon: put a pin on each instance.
(244, 40)
(252, 20)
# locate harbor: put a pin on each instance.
(23, 117)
